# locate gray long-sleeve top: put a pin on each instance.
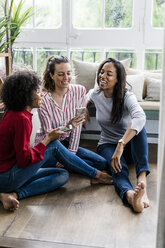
(133, 113)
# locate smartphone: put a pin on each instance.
(66, 128)
(80, 111)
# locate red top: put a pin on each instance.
(15, 131)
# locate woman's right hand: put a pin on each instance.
(53, 135)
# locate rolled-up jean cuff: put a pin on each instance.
(142, 170)
(123, 196)
(94, 173)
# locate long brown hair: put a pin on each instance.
(48, 83)
(119, 89)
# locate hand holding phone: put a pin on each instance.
(66, 128)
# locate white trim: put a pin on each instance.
(139, 37)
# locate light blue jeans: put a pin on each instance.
(43, 177)
(136, 151)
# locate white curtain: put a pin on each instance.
(160, 241)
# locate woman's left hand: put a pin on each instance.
(115, 161)
(76, 121)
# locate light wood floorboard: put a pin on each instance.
(81, 215)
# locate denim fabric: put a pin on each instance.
(42, 177)
(92, 158)
(136, 151)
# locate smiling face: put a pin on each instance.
(62, 75)
(107, 77)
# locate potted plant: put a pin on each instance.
(11, 23)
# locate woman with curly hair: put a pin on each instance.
(123, 138)
(21, 174)
(28, 171)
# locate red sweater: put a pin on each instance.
(15, 131)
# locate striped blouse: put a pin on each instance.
(52, 116)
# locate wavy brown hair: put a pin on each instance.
(119, 89)
(48, 83)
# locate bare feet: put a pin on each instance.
(9, 201)
(135, 198)
(142, 178)
(102, 178)
(59, 165)
(146, 200)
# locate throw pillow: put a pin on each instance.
(153, 89)
(85, 72)
(137, 83)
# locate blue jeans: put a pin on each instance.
(136, 151)
(90, 158)
(42, 177)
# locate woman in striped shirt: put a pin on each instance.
(58, 109)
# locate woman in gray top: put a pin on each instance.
(123, 138)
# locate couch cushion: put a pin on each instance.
(137, 83)
(148, 105)
(153, 89)
(85, 72)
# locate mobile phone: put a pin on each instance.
(66, 128)
(80, 111)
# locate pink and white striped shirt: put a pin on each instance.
(52, 116)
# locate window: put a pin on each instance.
(100, 14)
(43, 54)
(23, 57)
(153, 59)
(48, 13)
(118, 14)
(92, 30)
(122, 54)
(158, 13)
(87, 55)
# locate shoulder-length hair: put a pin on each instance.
(19, 89)
(48, 82)
(119, 89)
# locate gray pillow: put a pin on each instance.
(153, 89)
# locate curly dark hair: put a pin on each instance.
(19, 88)
(119, 89)
(48, 83)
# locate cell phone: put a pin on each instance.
(66, 128)
(80, 111)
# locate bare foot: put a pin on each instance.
(102, 178)
(9, 201)
(146, 200)
(59, 165)
(142, 178)
(135, 198)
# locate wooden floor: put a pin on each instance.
(81, 215)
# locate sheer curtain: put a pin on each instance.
(160, 241)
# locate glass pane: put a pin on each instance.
(153, 59)
(27, 4)
(118, 13)
(87, 55)
(158, 13)
(23, 57)
(122, 54)
(48, 13)
(43, 54)
(87, 13)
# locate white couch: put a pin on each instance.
(145, 85)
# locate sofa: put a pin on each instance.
(145, 85)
